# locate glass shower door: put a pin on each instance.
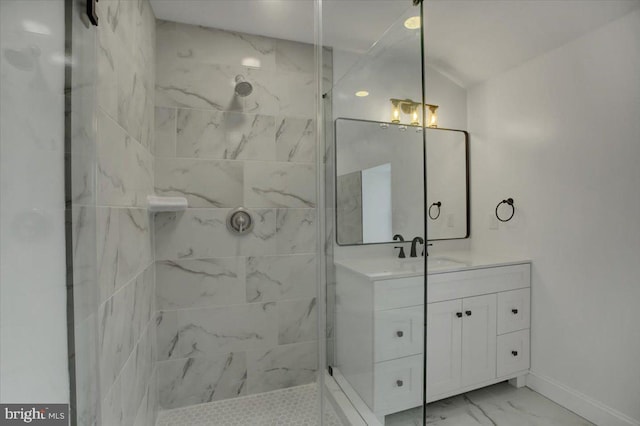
(374, 195)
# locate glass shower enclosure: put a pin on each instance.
(374, 193)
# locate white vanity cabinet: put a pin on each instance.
(477, 332)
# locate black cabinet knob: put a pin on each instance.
(514, 353)
(399, 333)
(514, 311)
(468, 313)
(459, 314)
(400, 383)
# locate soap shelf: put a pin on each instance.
(157, 204)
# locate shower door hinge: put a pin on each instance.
(92, 12)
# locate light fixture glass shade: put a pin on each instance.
(432, 116)
(415, 115)
(395, 112)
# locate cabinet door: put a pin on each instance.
(444, 346)
(479, 339)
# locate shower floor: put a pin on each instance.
(291, 406)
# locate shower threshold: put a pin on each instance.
(291, 406)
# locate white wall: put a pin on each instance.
(33, 329)
(561, 135)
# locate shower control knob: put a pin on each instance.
(514, 311)
(468, 313)
(399, 383)
(399, 333)
(239, 221)
(514, 353)
(459, 314)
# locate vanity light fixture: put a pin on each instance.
(412, 23)
(413, 110)
(362, 93)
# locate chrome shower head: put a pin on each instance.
(243, 87)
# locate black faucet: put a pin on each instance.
(425, 251)
(413, 245)
(398, 237)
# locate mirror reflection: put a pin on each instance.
(379, 182)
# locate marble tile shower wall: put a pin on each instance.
(237, 315)
(124, 177)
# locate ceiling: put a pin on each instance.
(467, 40)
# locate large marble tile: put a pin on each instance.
(135, 377)
(296, 139)
(211, 331)
(122, 320)
(497, 405)
(279, 184)
(134, 243)
(107, 251)
(115, 335)
(125, 60)
(125, 176)
(148, 410)
(272, 278)
(124, 247)
(197, 380)
(165, 132)
(296, 94)
(229, 135)
(297, 321)
(191, 43)
(107, 49)
(204, 183)
(133, 89)
(281, 367)
(203, 233)
(199, 283)
(295, 56)
(265, 98)
(200, 134)
(144, 305)
(111, 408)
(296, 231)
(211, 86)
(249, 137)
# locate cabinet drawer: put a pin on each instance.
(513, 310)
(398, 384)
(399, 293)
(398, 333)
(513, 352)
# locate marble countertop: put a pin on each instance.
(381, 268)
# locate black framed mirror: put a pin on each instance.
(380, 182)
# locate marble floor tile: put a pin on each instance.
(497, 405)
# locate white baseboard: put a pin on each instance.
(592, 410)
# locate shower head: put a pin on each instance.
(243, 87)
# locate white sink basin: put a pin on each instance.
(386, 267)
(442, 262)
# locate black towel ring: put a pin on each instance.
(508, 201)
(436, 204)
